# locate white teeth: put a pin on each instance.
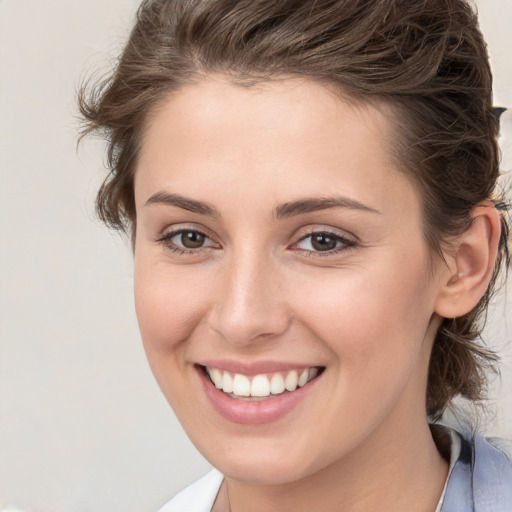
(291, 381)
(260, 386)
(227, 383)
(241, 385)
(303, 378)
(217, 378)
(277, 384)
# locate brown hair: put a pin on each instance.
(425, 58)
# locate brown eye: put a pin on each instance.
(187, 241)
(192, 239)
(323, 242)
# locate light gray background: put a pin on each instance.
(82, 424)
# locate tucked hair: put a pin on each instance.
(426, 59)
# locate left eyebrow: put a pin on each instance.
(313, 204)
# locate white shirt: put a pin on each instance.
(198, 496)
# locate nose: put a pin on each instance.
(250, 305)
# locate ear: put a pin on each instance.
(470, 263)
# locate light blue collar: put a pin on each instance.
(480, 480)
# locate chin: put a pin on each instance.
(262, 460)
(264, 470)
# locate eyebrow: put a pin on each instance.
(314, 204)
(184, 203)
(285, 210)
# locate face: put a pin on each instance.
(283, 285)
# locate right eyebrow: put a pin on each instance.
(185, 203)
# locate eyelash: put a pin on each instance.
(346, 243)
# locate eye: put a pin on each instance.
(324, 241)
(186, 240)
(190, 239)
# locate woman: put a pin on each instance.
(310, 190)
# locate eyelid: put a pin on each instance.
(303, 233)
(185, 226)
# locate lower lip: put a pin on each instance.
(253, 413)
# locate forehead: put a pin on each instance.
(285, 135)
(288, 105)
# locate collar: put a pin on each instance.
(480, 476)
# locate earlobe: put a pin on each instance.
(471, 264)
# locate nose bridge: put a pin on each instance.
(250, 305)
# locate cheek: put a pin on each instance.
(168, 305)
(371, 318)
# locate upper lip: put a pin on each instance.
(255, 367)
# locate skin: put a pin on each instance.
(257, 290)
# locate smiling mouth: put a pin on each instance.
(262, 386)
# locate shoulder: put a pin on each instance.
(198, 496)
